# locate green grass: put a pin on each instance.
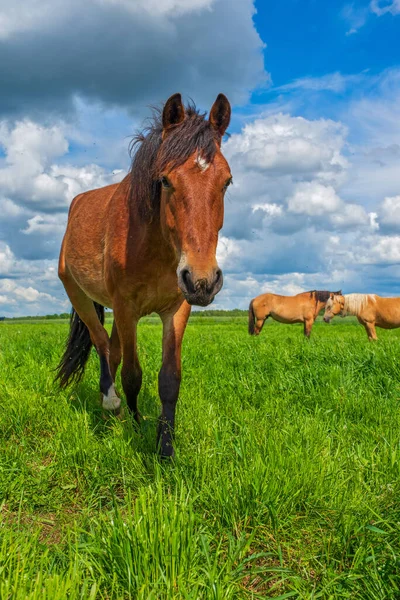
(285, 482)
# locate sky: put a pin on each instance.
(314, 143)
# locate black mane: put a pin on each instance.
(152, 155)
(323, 295)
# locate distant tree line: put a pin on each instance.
(236, 312)
(37, 318)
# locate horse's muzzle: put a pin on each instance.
(327, 319)
(200, 292)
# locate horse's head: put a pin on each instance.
(334, 306)
(192, 193)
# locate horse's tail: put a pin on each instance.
(72, 364)
(251, 318)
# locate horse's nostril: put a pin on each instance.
(185, 276)
(187, 280)
(218, 276)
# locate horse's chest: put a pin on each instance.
(156, 293)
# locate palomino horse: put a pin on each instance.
(371, 311)
(147, 244)
(302, 308)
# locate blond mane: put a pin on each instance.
(354, 303)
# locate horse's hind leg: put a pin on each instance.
(115, 351)
(259, 325)
(86, 311)
(261, 315)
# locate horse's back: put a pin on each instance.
(263, 301)
(291, 309)
(270, 299)
(98, 196)
(87, 221)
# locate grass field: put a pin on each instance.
(285, 482)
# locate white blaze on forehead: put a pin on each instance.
(201, 162)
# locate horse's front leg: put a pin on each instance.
(169, 379)
(308, 323)
(370, 329)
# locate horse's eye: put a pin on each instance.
(228, 183)
(165, 183)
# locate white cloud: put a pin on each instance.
(9, 209)
(161, 8)
(36, 187)
(46, 224)
(272, 210)
(311, 198)
(382, 8)
(30, 178)
(289, 173)
(352, 216)
(357, 16)
(227, 248)
(126, 53)
(373, 117)
(19, 299)
(389, 213)
(380, 250)
(31, 144)
(31, 15)
(6, 258)
(283, 144)
(332, 82)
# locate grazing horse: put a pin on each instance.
(302, 308)
(147, 244)
(371, 311)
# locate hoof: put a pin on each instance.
(111, 402)
(166, 451)
(167, 455)
(119, 413)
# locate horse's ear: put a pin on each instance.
(173, 113)
(220, 114)
(331, 295)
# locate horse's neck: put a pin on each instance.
(140, 237)
(150, 233)
(319, 306)
(353, 306)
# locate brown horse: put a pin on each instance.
(147, 244)
(302, 308)
(371, 311)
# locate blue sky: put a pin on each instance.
(311, 38)
(314, 146)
